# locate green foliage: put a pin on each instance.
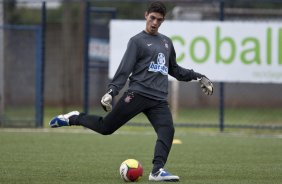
(26, 15)
(125, 10)
(32, 15)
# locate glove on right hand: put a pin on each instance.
(206, 85)
(106, 101)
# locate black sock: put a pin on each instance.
(72, 120)
(156, 168)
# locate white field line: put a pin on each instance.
(142, 132)
(70, 130)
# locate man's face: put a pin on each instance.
(153, 22)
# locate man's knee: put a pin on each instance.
(171, 130)
(168, 131)
(107, 131)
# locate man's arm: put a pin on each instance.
(125, 68)
(183, 74)
(180, 73)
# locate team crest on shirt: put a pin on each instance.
(159, 66)
(165, 43)
(127, 99)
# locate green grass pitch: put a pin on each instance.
(74, 155)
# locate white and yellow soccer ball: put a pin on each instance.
(131, 170)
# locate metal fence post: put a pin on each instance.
(221, 84)
(86, 57)
(1, 63)
(87, 64)
(40, 67)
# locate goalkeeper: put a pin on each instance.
(148, 60)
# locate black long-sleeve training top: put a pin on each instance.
(149, 59)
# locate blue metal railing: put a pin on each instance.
(87, 66)
(39, 65)
(221, 84)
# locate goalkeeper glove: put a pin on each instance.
(206, 85)
(106, 101)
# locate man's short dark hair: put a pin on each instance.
(158, 7)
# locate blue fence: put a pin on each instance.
(65, 76)
(221, 124)
(88, 64)
(14, 115)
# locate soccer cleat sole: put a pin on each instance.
(171, 180)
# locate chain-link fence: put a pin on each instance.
(20, 56)
(243, 104)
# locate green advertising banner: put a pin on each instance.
(224, 51)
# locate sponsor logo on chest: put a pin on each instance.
(159, 66)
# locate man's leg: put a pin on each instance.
(121, 113)
(161, 119)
